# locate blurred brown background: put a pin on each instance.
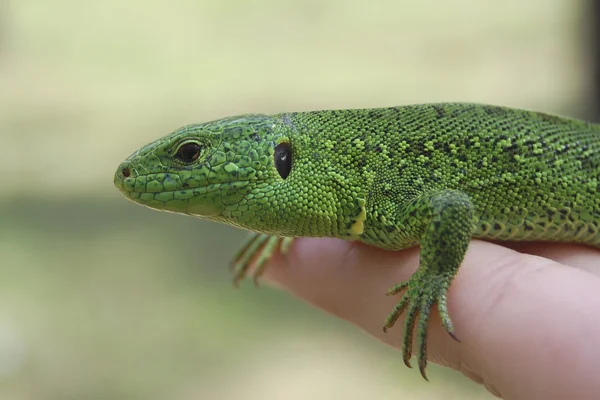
(103, 299)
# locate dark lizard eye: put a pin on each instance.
(283, 159)
(188, 153)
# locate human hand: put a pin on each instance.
(528, 321)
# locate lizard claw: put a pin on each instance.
(256, 252)
(422, 291)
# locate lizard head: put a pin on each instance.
(251, 171)
(206, 170)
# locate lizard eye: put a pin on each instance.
(283, 159)
(188, 152)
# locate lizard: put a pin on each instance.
(430, 175)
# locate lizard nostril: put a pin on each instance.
(126, 172)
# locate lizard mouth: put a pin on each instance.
(203, 201)
(131, 183)
(206, 200)
(170, 191)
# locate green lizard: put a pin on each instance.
(433, 175)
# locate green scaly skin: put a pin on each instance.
(433, 174)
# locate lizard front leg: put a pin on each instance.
(446, 222)
(257, 250)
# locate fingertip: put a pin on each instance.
(509, 308)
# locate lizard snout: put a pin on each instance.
(123, 172)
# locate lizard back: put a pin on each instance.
(531, 176)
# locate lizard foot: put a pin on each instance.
(256, 251)
(422, 291)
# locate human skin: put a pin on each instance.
(437, 175)
(526, 316)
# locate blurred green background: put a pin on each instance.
(103, 299)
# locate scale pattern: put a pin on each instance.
(431, 174)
